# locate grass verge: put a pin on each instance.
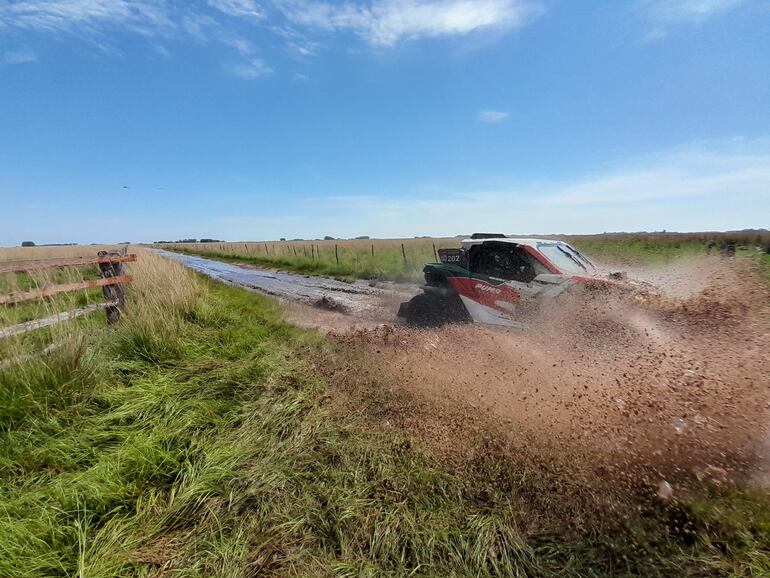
(196, 440)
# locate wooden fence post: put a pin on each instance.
(435, 254)
(403, 252)
(336, 254)
(372, 250)
(112, 293)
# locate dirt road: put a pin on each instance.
(311, 301)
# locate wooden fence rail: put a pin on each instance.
(112, 282)
(20, 296)
(37, 265)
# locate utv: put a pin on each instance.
(493, 277)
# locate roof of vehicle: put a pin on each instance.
(516, 240)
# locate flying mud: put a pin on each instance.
(664, 390)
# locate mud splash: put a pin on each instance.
(673, 387)
(665, 388)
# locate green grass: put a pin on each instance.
(34, 309)
(386, 265)
(203, 444)
(765, 263)
(639, 250)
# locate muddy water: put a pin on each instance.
(312, 301)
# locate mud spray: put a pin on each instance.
(660, 392)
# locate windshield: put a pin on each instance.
(567, 258)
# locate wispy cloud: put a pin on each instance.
(492, 116)
(253, 68)
(710, 185)
(299, 24)
(142, 16)
(386, 22)
(19, 57)
(203, 22)
(666, 14)
(247, 8)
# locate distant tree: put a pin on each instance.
(362, 237)
(27, 243)
(283, 238)
(328, 238)
(188, 241)
(207, 240)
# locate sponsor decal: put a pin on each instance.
(499, 297)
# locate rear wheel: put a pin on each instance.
(428, 310)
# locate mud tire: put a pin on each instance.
(427, 310)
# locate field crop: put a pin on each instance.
(196, 438)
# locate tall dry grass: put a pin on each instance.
(161, 291)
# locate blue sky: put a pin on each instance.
(257, 119)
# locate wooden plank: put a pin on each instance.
(50, 320)
(38, 264)
(20, 296)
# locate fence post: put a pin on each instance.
(372, 250)
(112, 293)
(403, 252)
(336, 254)
(312, 253)
(435, 254)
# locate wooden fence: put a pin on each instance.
(112, 282)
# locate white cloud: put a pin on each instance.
(701, 186)
(385, 22)
(94, 19)
(682, 11)
(238, 8)
(666, 14)
(70, 15)
(254, 68)
(492, 116)
(240, 44)
(19, 57)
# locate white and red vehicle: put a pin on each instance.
(493, 279)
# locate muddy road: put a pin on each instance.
(673, 386)
(317, 302)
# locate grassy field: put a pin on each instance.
(403, 259)
(394, 259)
(196, 439)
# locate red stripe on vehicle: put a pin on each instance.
(485, 293)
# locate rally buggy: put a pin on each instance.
(493, 278)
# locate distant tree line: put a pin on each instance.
(204, 240)
(33, 244)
